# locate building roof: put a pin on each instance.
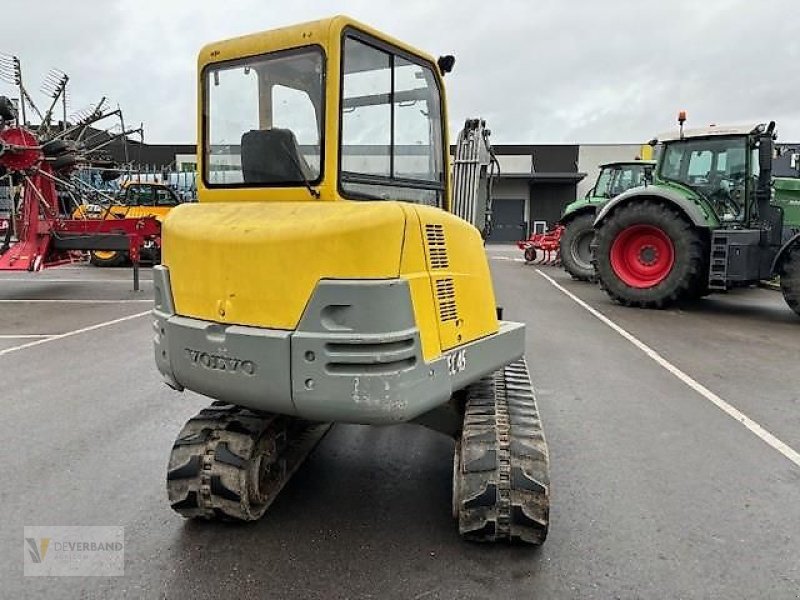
(622, 163)
(546, 177)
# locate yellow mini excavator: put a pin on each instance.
(323, 277)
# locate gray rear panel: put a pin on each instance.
(355, 356)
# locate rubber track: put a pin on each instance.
(790, 279)
(502, 466)
(213, 458)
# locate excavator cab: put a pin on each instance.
(350, 115)
(321, 278)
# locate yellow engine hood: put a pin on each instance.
(257, 263)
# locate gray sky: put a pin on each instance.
(539, 71)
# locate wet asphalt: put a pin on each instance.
(656, 493)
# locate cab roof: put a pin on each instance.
(304, 34)
(712, 131)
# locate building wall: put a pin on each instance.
(787, 163)
(548, 201)
(515, 163)
(591, 156)
(506, 192)
(555, 158)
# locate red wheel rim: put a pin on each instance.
(642, 256)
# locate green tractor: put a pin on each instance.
(711, 218)
(578, 217)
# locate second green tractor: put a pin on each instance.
(578, 217)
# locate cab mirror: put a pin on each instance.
(446, 64)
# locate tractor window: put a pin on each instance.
(391, 143)
(699, 163)
(603, 182)
(625, 178)
(263, 120)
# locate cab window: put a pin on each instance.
(263, 120)
(165, 197)
(139, 195)
(391, 143)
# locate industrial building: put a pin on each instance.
(536, 181)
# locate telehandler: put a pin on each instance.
(322, 278)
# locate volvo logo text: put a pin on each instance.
(220, 363)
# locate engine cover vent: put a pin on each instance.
(446, 300)
(437, 247)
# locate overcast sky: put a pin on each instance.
(539, 71)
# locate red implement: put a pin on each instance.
(45, 236)
(542, 248)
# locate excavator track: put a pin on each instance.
(229, 463)
(501, 468)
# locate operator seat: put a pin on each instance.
(273, 156)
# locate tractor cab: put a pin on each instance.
(726, 170)
(618, 177)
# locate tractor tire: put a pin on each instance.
(530, 254)
(576, 247)
(649, 256)
(790, 279)
(107, 258)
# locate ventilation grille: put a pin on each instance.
(437, 248)
(446, 298)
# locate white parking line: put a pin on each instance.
(511, 258)
(61, 336)
(70, 301)
(786, 450)
(25, 336)
(39, 279)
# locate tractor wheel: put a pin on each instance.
(790, 279)
(576, 247)
(107, 258)
(648, 255)
(530, 254)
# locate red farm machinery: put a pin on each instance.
(39, 165)
(543, 248)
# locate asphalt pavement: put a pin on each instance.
(656, 491)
